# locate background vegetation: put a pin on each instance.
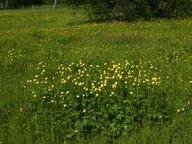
(121, 10)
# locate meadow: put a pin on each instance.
(64, 79)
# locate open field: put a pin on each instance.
(64, 80)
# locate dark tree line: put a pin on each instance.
(18, 3)
(132, 9)
(125, 10)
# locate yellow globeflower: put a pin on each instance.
(21, 109)
(112, 93)
(78, 96)
(120, 76)
(52, 101)
(65, 105)
(131, 93)
(102, 85)
(154, 79)
(178, 110)
(52, 86)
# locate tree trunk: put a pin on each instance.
(6, 4)
(55, 4)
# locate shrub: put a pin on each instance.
(125, 10)
(104, 98)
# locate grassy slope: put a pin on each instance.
(63, 36)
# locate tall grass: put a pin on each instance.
(63, 80)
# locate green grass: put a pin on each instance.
(64, 80)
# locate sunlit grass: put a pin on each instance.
(63, 79)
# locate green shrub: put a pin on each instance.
(105, 98)
(125, 10)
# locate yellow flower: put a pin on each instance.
(21, 109)
(190, 82)
(84, 110)
(120, 76)
(78, 96)
(153, 83)
(52, 101)
(178, 110)
(154, 79)
(29, 81)
(65, 105)
(102, 85)
(131, 93)
(52, 86)
(112, 93)
(80, 84)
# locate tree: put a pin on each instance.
(4, 4)
(127, 10)
(55, 4)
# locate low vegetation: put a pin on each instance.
(64, 80)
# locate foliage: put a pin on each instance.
(124, 10)
(19, 3)
(98, 98)
(121, 10)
